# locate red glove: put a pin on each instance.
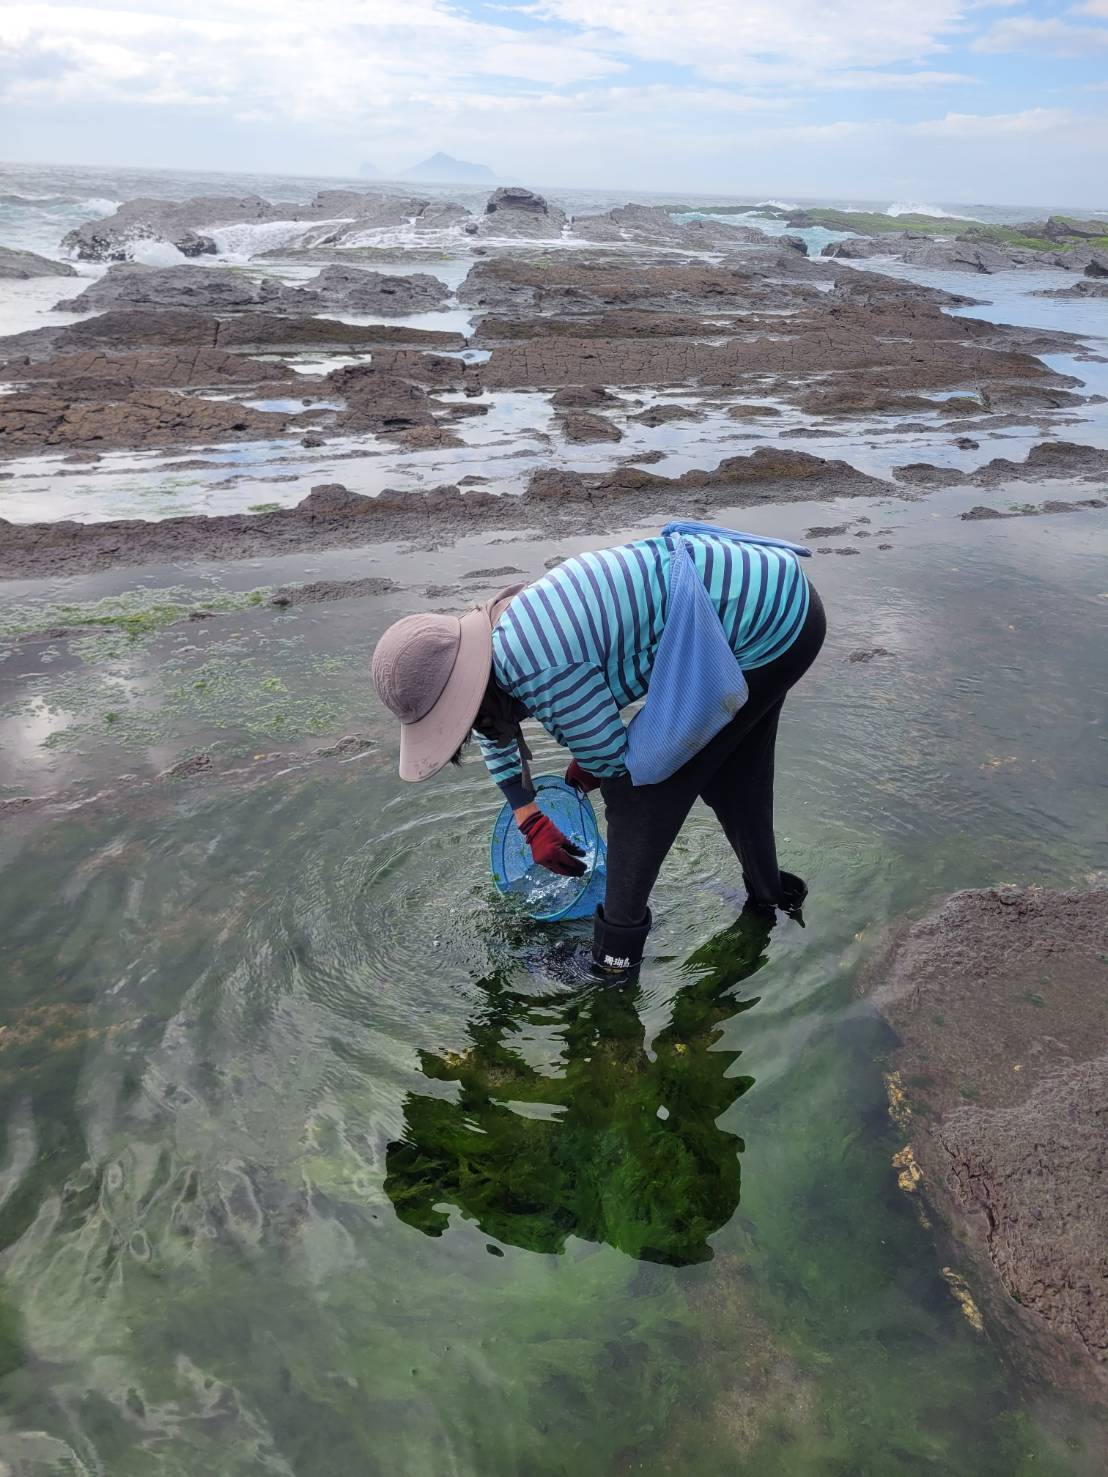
(580, 778)
(550, 848)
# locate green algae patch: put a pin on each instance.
(862, 222)
(134, 613)
(1013, 236)
(231, 694)
(877, 223)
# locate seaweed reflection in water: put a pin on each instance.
(619, 1145)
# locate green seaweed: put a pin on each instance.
(135, 613)
(628, 1149)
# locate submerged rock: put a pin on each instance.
(320, 591)
(1090, 287)
(1048, 459)
(21, 265)
(999, 1000)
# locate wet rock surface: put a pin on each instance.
(145, 219)
(654, 225)
(98, 372)
(319, 591)
(999, 1001)
(1088, 287)
(515, 212)
(581, 427)
(352, 289)
(333, 516)
(579, 286)
(145, 328)
(981, 514)
(22, 265)
(959, 256)
(34, 422)
(1050, 459)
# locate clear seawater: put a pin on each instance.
(320, 1160)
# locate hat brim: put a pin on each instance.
(429, 744)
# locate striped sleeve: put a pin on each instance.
(575, 704)
(506, 769)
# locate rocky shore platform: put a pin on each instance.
(999, 1082)
(356, 363)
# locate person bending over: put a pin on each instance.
(711, 627)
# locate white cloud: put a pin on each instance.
(287, 58)
(557, 90)
(1028, 33)
(974, 125)
(721, 36)
(891, 81)
(299, 61)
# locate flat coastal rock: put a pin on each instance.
(999, 1000)
(22, 265)
(130, 285)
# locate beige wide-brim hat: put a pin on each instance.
(431, 671)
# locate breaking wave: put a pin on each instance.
(242, 241)
(155, 254)
(913, 207)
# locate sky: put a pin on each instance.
(956, 101)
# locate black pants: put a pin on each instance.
(733, 774)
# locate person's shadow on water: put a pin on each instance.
(617, 1146)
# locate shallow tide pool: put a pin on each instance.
(321, 1160)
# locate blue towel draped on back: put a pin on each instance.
(696, 685)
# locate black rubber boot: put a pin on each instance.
(618, 948)
(794, 890)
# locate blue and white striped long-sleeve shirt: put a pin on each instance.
(579, 644)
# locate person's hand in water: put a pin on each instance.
(550, 848)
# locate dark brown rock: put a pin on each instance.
(573, 286)
(581, 427)
(664, 415)
(151, 328)
(319, 591)
(999, 1001)
(30, 422)
(582, 397)
(106, 373)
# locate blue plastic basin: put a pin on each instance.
(547, 897)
